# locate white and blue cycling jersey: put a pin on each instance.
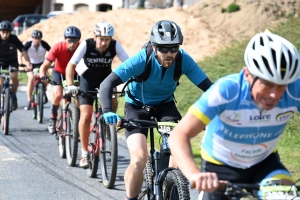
(157, 87)
(238, 134)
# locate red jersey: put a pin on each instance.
(61, 55)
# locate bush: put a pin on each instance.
(233, 8)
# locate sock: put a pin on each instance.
(84, 153)
(14, 96)
(134, 198)
(54, 109)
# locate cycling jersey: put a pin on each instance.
(99, 65)
(154, 90)
(61, 55)
(8, 50)
(238, 133)
(36, 56)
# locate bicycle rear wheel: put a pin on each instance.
(6, 114)
(176, 186)
(40, 104)
(93, 158)
(72, 134)
(61, 135)
(108, 155)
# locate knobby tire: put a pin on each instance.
(5, 116)
(176, 186)
(72, 134)
(109, 155)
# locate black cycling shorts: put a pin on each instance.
(35, 66)
(14, 64)
(58, 78)
(268, 168)
(87, 85)
(167, 110)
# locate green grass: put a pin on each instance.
(231, 60)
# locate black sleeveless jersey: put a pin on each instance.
(99, 65)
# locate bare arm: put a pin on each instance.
(70, 73)
(45, 66)
(181, 150)
(27, 61)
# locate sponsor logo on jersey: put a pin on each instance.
(107, 54)
(234, 117)
(284, 116)
(262, 118)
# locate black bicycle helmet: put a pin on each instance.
(37, 34)
(166, 32)
(72, 32)
(6, 26)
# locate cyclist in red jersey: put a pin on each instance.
(60, 53)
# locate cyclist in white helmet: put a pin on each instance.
(245, 115)
(97, 54)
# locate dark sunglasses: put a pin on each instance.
(73, 40)
(162, 49)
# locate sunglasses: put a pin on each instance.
(167, 49)
(73, 40)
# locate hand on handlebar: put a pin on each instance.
(44, 78)
(71, 89)
(112, 118)
(204, 181)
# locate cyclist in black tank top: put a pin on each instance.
(93, 61)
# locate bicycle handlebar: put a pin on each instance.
(138, 123)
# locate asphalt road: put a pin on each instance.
(30, 166)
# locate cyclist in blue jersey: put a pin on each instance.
(152, 97)
(245, 114)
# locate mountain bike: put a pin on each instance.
(39, 97)
(162, 182)
(102, 143)
(273, 190)
(67, 127)
(6, 98)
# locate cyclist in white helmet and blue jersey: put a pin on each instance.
(245, 115)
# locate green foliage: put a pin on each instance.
(233, 8)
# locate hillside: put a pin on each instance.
(206, 29)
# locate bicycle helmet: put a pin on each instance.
(166, 32)
(272, 58)
(72, 32)
(37, 34)
(104, 29)
(6, 26)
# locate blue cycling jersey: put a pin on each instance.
(157, 87)
(238, 133)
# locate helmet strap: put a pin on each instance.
(254, 80)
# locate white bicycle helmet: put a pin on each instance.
(104, 29)
(272, 58)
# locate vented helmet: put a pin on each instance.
(6, 26)
(272, 58)
(166, 32)
(72, 32)
(104, 29)
(37, 34)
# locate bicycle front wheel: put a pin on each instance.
(72, 134)
(6, 114)
(33, 103)
(108, 155)
(176, 186)
(40, 104)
